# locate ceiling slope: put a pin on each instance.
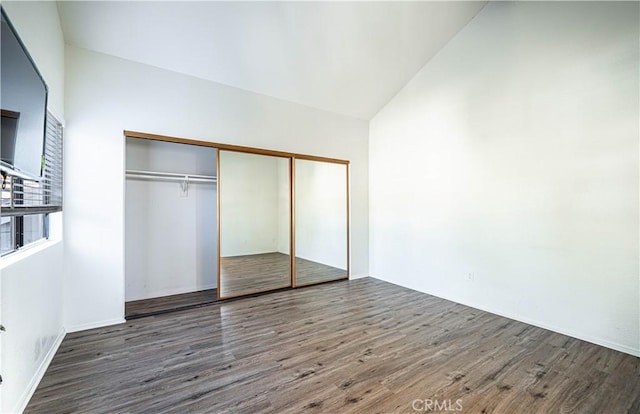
(348, 58)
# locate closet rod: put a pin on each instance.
(171, 176)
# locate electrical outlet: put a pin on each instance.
(471, 276)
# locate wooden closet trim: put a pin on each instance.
(292, 220)
(348, 222)
(260, 151)
(229, 147)
(294, 275)
(218, 288)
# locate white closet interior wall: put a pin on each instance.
(170, 235)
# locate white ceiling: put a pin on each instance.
(349, 58)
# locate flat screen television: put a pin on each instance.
(23, 101)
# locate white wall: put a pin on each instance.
(32, 314)
(321, 212)
(32, 282)
(170, 235)
(105, 95)
(513, 156)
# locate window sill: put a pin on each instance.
(27, 252)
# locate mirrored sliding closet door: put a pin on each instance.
(255, 223)
(321, 221)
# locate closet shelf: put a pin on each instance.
(171, 176)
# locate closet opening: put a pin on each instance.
(170, 226)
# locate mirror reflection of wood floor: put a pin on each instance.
(241, 275)
(145, 307)
(309, 272)
(244, 275)
(360, 346)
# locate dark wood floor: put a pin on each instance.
(362, 346)
(309, 272)
(244, 275)
(154, 306)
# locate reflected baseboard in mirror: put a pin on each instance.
(254, 273)
(310, 273)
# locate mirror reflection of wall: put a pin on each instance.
(254, 223)
(320, 221)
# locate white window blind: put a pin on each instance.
(23, 195)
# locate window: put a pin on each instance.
(27, 202)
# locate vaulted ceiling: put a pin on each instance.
(349, 58)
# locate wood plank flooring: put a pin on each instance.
(244, 275)
(154, 306)
(362, 346)
(309, 272)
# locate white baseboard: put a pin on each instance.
(588, 338)
(578, 335)
(93, 325)
(37, 376)
(354, 277)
